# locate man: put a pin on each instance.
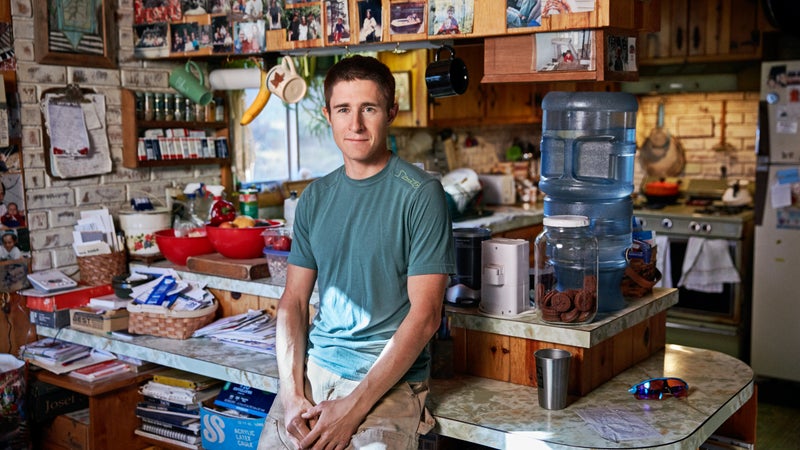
(376, 236)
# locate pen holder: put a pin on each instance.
(98, 270)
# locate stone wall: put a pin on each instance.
(53, 205)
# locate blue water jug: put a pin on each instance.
(588, 144)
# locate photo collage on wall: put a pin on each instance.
(165, 28)
(15, 248)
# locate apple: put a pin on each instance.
(227, 224)
(282, 243)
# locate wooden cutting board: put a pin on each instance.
(240, 269)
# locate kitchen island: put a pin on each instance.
(496, 413)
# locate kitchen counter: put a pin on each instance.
(496, 413)
(505, 218)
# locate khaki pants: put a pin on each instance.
(394, 423)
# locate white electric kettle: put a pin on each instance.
(737, 194)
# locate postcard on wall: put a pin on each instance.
(274, 14)
(565, 50)
(337, 22)
(523, 13)
(407, 18)
(249, 37)
(552, 7)
(370, 20)
(450, 17)
(222, 27)
(621, 54)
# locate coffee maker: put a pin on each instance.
(465, 288)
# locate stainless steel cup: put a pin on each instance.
(552, 377)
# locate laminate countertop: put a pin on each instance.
(500, 414)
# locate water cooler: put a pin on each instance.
(588, 148)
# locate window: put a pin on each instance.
(287, 142)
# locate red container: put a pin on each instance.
(178, 249)
(238, 243)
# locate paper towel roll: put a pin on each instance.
(230, 79)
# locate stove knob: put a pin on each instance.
(694, 226)
(666, 223)
(706, 228)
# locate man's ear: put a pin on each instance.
(392, 113)
(327, 114)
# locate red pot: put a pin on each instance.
(662, 191)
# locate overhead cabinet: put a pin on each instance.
(705, 31)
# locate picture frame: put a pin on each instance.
(402, 90)
(74, 33)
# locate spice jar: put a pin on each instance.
(566, 271)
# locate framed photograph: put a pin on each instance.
(565, 51)
(402, 89)
(337, 22)
(77, 32)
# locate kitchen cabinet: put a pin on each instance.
(134, 128)
(486, 104)
(696, 31)
(111, 407)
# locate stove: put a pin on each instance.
(720, 320)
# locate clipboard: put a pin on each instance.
(75, 138)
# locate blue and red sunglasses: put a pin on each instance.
(656, 388)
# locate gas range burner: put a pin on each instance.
(721, 210)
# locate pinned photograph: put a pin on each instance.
(447, 17)
(154, 11)
(275, 14)
(151, 40)
(407, 18)
(222, 39)
(220, 6)
(184, 37)
(565, 50)
(523, 13)
(370, 20)
(621, 53)
(247, 10)
(249, 37)
(303, 24)
(337, 22)
(552, 7)
(194, 7)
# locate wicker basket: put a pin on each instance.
(640, 277)
(98, 270)
(145, 319)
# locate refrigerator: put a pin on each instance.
(775, 348)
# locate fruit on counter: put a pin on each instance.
(244, 222)
(221, 209)
(278, 242)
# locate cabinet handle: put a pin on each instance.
(679, 38)
(696, 38)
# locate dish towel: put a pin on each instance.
(663, 263)
(707, 266)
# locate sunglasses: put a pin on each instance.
(656, 388)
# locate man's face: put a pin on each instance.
(359, 119)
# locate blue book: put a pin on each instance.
(245, 399)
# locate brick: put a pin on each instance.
(42, 74)
(41, 260)
(23, 50)
(51, 238)
(31, 115)
(93, 76)
(37, 220)
(145, 79)
(31, 137)
(100, 195)
(21, 8)
(49, 198)
(34, 178)
(61, 217)
(23, 28)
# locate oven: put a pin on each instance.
(716, 321)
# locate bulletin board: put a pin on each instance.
(75, 138)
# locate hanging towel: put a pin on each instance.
(663, 263)
(707, 265)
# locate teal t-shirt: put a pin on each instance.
(365, 238)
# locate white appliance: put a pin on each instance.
(505, 277)
(498, 189)
(776, 334)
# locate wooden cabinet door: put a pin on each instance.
(468, 108)
(513, 102)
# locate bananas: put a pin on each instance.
(258, 104)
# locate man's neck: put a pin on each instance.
(360, 170)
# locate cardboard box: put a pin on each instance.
(69, 430)
(46, 401)
(97, 320)
(222, 432)
(43, 301)
(51, 319)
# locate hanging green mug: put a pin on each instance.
(192, 86)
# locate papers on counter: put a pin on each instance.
(95, 234)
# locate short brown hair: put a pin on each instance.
(358, 67)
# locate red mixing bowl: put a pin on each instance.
(239, 243)
(178, 249)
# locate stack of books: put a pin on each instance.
(100, 371)
(60, 356)
(170, 410)
(52, 309)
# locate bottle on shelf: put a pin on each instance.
(289, 206)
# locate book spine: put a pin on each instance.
(173, 418)
(191, 409)
(174, 381)
(172, 442)
(193, 428)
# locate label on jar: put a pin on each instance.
(248, 203)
